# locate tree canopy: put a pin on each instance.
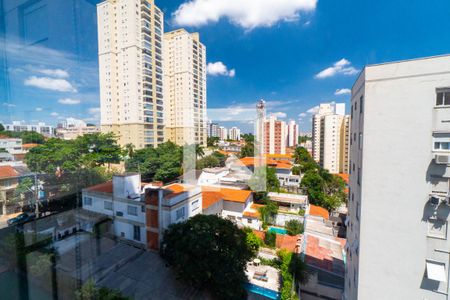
(207, 251)
(28, 137)
(163, 163)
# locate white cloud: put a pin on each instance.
(38, 108)
(54, 114)
(343, 92)
(47, 83)
(313, 110)
(342, 66)
(94, 110)
(302, 115)
(279, 114)
(248, 14)
(69, 101)
(8, 104)
(54, 72)
(218, 68)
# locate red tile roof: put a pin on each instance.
(226, 194)
(30, 145)
(177, 189)
(209, 198)
(318, 211)
(253, 212)
(106, 187)
(324, 255)
(8, 172)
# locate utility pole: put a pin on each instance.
(36, 194)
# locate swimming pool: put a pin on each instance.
(278, 230)
(262, 291)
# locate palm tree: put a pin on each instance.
(199, 151)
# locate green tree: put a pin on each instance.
(253, 241)
(31, 137)
(23, 191)
(163, 163)
(3, 150)
(2, 128)
(199, 151)
(89, 291)
(209, 161)
(248, 137)
(211, 141)
(294, 227)
(273, 184)
(270, 238)
(248, 150)
(129, 150)
(207, 251)
(268, 212)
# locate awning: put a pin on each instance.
(436, 271)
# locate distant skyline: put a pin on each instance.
(294, 54)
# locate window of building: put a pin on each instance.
(87, 201)
(136, 233)
(107, 205)
(180, 213)
(132, 210)
(443, 97)
(195, 204)
(361, 104)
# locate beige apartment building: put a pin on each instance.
(331, 137)
(185, 88)
(131, 72)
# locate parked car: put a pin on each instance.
(22, 218)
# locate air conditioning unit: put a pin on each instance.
(442, 159)
(435, 200)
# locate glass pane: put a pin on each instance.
(447, 98)
(439, 98)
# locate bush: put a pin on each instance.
(294, 227)
(253, 241)
(270, 239)
(301, 212)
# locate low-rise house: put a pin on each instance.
(11, 145)
(71, 133)
(10, 177)
(289, 202)
(233, 204)
(141, 212)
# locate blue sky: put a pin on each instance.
(275, 54)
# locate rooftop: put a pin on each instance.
(288, 198)
(227, 194)
(253, 211)
(8, 172)
(325, 253)
(176, 189)
(315, 210)
(106, 187)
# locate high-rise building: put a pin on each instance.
(235, 134)
(131, 71)
(397, 234)
(185, 88)
(222, 133)
(331, 137)
(274, 136)
(292, 134)
(212, 129)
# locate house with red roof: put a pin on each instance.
(10, 177)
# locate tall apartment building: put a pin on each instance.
(212, 129)
(274, 136)
(131, 71)
(331, 137)
(185, 88)
(398, 244)
(235, 133)
(222, 133)
(292, 134)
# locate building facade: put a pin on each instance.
(235, 134)
(222, 133)
(42, 128)
(274, 136)
(185, 88)
(141, 212)
(11, 145)
(71, 133)
(130, 34)
(212, 129)
(331, 137)
(399, 183)
(292, 134)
